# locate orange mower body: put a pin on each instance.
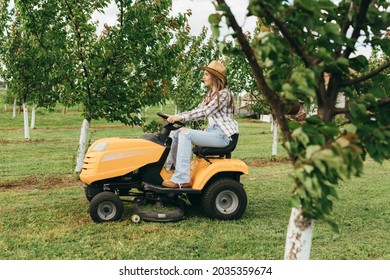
(118, 167)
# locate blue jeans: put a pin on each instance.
(182, 141)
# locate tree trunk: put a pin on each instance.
(299, 236)
(82, 145)
(26, 127)
(275, 138)
(14, 109)
(34, 109)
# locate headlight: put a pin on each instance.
(100, 147)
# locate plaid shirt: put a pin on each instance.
(220, 112)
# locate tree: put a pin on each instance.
(113, 75)
(130, 66)
(324, 37)
(200, 50)
(26, 67)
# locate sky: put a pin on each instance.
(201, 9)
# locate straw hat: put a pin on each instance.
(217, 69)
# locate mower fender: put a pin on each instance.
(204, 171)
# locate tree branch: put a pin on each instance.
(357, 27)
(300, 51)
(345, 28)
(277, 107)
(347, 22)
(340, 111)
(351, 82)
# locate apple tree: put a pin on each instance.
(25, 67)
(324, 37)
(113, 74)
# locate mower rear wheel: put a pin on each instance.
(106, 207)
(224, 199)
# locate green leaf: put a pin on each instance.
(333, 225)
(327, 4)
(293, 125)
(320, 165)
(310, 150)
(331, 130)
(308, 168)
(294, 202)
(359, 63)
(301, 136)
(342, 61)
(306, 4)
(350, 128)
(288, 95)
(332, 28)
(327, 154)
(377, 92)
(357, 110)
(214, 20)
(313, 120)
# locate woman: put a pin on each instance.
(218, 108)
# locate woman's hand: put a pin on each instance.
(175, 118)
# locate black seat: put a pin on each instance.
(225, 152)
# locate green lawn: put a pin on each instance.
(45, 213)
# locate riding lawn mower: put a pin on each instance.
(119, 169)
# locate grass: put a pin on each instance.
(45, 213)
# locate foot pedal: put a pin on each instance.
(162, 189)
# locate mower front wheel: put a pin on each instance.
(224, 199)
(106, 207)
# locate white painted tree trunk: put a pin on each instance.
(299, 236)
(26, 127)
(14, 109)
(275, 138)
(82, 145)
(34, 109)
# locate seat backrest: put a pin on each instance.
(222, 152)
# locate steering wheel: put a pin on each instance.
(170, 126)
